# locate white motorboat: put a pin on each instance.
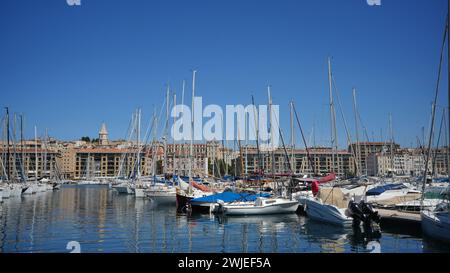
(124, 188)
(139, 192)
(6, 191)
(415, 205)
(261, 206)
(41, 187)
(16, 190)
(301, 196)
(329, 206)
(317, 210)
(436, 222)
(391, 194)
(162, 195)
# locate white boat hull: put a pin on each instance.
(326, 213)
(16, 190)
(436, 225)
(6, 192)
(41, 188)
(252, 209)
(124, 189)
(389, 194)
(162, 196)
(164, 200)
(30, 190)
(139, 193)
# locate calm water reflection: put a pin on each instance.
(102, 221)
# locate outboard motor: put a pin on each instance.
(368, 210)
(356, 213)
(363, 212)
(219, 209)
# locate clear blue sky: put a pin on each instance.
(71, 68)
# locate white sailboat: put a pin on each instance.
(128, 185)
(436, 222)
(163, 194)
(329, 205)
(137, 182)
(16, 190)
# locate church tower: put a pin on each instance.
(103, 135)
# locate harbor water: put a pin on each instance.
(100, 220)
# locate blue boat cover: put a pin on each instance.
(380, 189)
(229, 196)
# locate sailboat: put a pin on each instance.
(436, 221)
(187, 191)
(128, 185)
(7, 185)
(163, 193)
(329, 205)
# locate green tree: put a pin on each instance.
(86, 138)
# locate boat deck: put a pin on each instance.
(399, 217)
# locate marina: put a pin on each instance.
(247, 133)
(103, 221)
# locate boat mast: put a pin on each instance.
(14, 163)
(154, 146)
(271, 134)
(434, 111)
(448, 79)
(308, 155)
(8, 153)
(358, 151)
(241, 161)
(332, 119)
(166, 135)
(21, 144)
(192, 130)
(392, 142)
(257, 139)
(173, 139)
(35, 154)
(138, 170)
(182, 113)
(292, 135)
(246, 145)
(45, 152)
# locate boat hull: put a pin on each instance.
(139, 193)
(436, 225)
(124, 190)
(203, 208)
(164, 200)
(182, 202)
(29, 190)
(16, 190)
(6, 192)
(326, 213)
(289, 207)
